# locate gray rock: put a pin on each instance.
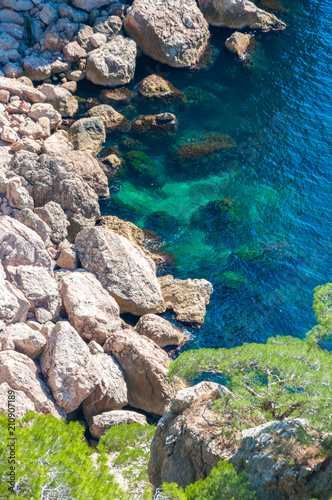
(89, 5)
(14, 30)
(112, 64)
(122, 268)
(14, 306)
(73, 15)
(17, 195)
(61, 99)
(21, 338)
(88, 134)
(53, 215)
(25, 92)
(61, 33)
(101, 423)
(10, 16)
(36, 68)
(159, 330)
(34, 222)
(110, 27)
(18, 5)
(49, 13)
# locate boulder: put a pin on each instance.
(112, 120)
(34, 222)
(73, 52)
(20, 373)
(89, 5)
(26, 144)
(19, 245)
(91, 310)
(36, 68)
(24, 92)
(110, 27)
(148, 386)
(52, 179)
(68, 258)
(68, 367)
(98, 39)
(14, 307)
(31, 129)
(101, 423)
(159, 330)
(112, 64)
(39, 288)
(61, 99)
(41, 110)
(238, 43)
(90, 170)
(170, 31)
(238, 14)
(48, 14)
(156, 88)
(21, 338)
(60, 34)
(122, 268)
(60, 66)
(17, 194)
(73, 15)
(187, 298)
(114, 96)
(58, 144)
(161, 124)
(53, 215)
(88, 134)
(111, 391)
(17, 5)
(189, 440)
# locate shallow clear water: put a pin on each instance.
(272, 244)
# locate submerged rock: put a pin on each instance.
(161, 124)
(238, 14)
(122, 268)
(187, 298)
(197, 148)
(156, 88)
(169, 31)
(114, 96)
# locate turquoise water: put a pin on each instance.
(268, 243)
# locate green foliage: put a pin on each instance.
(132, 445)
(54, 461)
(222, 484)
(282, 378)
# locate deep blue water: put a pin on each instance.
(266, 254)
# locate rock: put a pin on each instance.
(112, 120)
(238, 43)
(73, 52)
(112, 64)
(48, 14)
(19, 245)
(110, 27)
(21, 338)
(42, 110)
(187, 298)
(161, 124)
(68, 258)
(19, 107)
(89, 169)
(52, 179)
(25, 80)
(73, 15)
(31, 220)
(113, 96)
(91, 310)
(39, 288)
(20, 373)
(188, 442)
(156, 88)
(171, 32)
(75, 75)
(98, 39)
(4, 96)
(88, 134)
(31, 129)
(122, 268)
(24, 92)
(17, 5)
(12, 70)
(238, 15)
(22, 403)
(45, 125)
(89, 4)
(83, 37)
(70, 86)
(14, 306)
(8, 134)
(58, 144)
(110, 393)
(159, 330)
(10, 16)
(59, 66)
(61, 100)
(17, 194)
(148, 386)
(68, 367)
(7, 42)
(58, 35)
(101, 423)
(278, 463)
(53, 215)
(36, 68)
(26, 144)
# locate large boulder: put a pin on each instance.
(111, 391)
(156, 88)
(101, 423)
(145, 366)
(159, 330)
(238, 43)
(187, 298)
(88, 134)
(53, 215)
(90, 308)
(68, 367)
(122, 268)
(53, 179)
(21, 338)
(189, 440)
(34, 222)
(170, 31)
(14, 307)
(20, 373)
(112, 64)
(41, 110)
(112, 119)
(39, 288)
(61, 99)
(238, 14)
(20, 245)
(36, 68)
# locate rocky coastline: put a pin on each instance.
(67, 273)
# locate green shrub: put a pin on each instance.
(53, 461)
(222, 484)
